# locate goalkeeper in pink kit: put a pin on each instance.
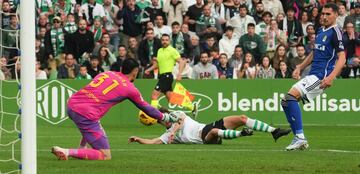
(87, 106)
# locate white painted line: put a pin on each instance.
(212, 150)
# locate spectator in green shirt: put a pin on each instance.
(253, 43)
(83, 73)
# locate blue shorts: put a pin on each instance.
(91, 131)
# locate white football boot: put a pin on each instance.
(60, 153)
(298, 144)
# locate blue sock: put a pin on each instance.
(293, 113)
(295, 117)
(288, 117)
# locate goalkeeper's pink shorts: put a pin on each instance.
(91, 131)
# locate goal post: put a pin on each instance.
(28, 86)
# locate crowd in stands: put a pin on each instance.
(219, 39)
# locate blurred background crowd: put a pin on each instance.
(235, 39)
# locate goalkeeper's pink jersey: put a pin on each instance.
(103, 92)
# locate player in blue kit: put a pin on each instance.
(327, 60)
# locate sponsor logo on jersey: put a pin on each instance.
(320, 47)
(324, 38)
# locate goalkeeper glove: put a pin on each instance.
(169, 117)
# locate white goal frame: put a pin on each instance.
(28, 86)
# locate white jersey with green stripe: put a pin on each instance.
(189, 133)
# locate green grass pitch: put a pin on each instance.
(333, 149)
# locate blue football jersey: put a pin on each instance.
(328, 43)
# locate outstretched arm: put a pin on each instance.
(153, 67)
(327, 81)
(304, 64)
(144, 140)
(136, 98)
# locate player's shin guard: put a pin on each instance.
(87, 154)
(258, 125)
(287, 114)
(229, 134)
(293, 114)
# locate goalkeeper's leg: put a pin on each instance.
(100, 151)
(92, 133)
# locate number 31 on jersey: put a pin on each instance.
(101, 80)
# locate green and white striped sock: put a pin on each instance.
(259, 125)
(229, 134)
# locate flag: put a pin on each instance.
(181, 96)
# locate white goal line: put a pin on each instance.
(212, 150)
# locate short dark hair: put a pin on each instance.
(204, 53)
(93, 57)
(121, 45)
(165, 35)
(291, 8)
(242, 6)
(70, 14)
(69, 54)
(333, 6)
(300, 45)
(229, 28)
(210, 36)
(251, 25)
(102, 36)
(266, 13)
(175, 23)
(223, 54)
(13, 16)
(129, 65)
(162, 17)
(149, 29)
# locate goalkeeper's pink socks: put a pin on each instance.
(87, 154)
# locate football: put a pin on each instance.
(146, 120)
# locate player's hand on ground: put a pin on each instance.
(326, 82)
(132, 139)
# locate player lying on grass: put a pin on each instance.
(87, 106)
(189, 131)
